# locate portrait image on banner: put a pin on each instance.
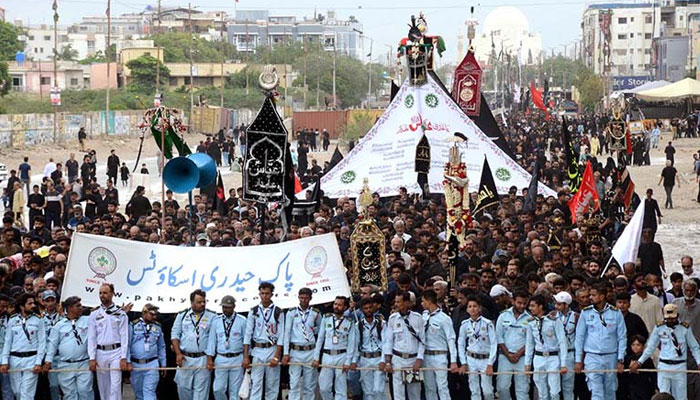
(266, 147)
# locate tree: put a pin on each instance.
(9, 42)
(143, 74)
(591, 89)
(99, 56)
(358, 126)
(176, 48)
(4, 78)
(67, 53)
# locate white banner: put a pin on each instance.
(166, 275)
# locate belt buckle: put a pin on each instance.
(545, 353)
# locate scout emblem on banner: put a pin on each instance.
(368, 248)
(266, 149)
(466, 89)
(456, 187)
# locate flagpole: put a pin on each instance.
(55, 68)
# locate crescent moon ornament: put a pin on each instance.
(268, 79)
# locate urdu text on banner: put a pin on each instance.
(166, 275)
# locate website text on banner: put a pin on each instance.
(166, 275)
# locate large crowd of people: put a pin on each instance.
(534, 292)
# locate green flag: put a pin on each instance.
(171, 138)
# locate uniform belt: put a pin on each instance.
(262, 345)
(230, 355)
(142, 360)
(109, 347)
(23, 354)
(76, 361)
(371, 354)
(193, 355)
(478, 356)
(546, 353)
(435, 352)
(672, 362)
(335, 352)
(404, 355)
(299, 347)
(571, 350)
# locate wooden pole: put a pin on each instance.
(107, 53)
(158, 56)
(55, 69)
(223, 60)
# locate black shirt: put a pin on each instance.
(669, 175)
(651, 256)
(36, 199)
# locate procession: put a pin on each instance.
(466, 216)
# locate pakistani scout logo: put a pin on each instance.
(503, 174)
(316, 261)
(348, 177)
(409, 101)
(102, 262)
(431, 100)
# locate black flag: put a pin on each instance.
(531, 200)
(487, 123)
(573, 171)
(336, 158)
(487, 195)
(220, 199)
(394, 90)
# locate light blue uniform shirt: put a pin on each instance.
(301, 326)
(372, 335)
(546, 335)
(674, 343)
(512, 331)
(477, 336)
(337, 334)
(601, 332)
(569, 322)
(226, 335)
(262, 327)
(24, 335)
(68, 341)
(439, 333)
(146, 341)
(4, 321)
(400, 337)
(193, 333)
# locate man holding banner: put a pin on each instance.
(190, 337)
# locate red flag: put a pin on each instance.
(537, 97)
(587, 192)
(220, 199)
(627, 188)
(297, 184)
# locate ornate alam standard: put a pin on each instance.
(456, 187)
(367, 244)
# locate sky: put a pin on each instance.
(384, 21)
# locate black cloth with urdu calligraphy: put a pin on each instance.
(368, 256)
(266, 148)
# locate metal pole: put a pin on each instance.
(369, 80)
(158, 62)
(335, 47)
(55, 69)
(223, 59)
(247, 43)
(109, 33)
(189, 12)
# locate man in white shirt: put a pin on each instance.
(688, 271)
(49, 168)
(645, 304)
(400, 228)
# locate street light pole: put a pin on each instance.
(109, 32)
(158, 57)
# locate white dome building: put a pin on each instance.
(507, 28)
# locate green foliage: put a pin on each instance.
(143, 74)
(9, 43)
(4, 79)
(99, 56)
(358, 126)
(176, 48)
(67, 53)
(591, 90)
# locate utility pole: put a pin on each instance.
(55, 68)
(223, 59)
(247, 43)
(189, 12)
(369, 81)
(158, 57)
(305, 55)
(335, 47)
(109, 33)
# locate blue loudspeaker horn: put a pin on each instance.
(207, 168)
(182, 174)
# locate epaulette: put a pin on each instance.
(613, 308)
(685, 324)
(330, 314)
(206, 309)
(588, 307)
(530, 319)
(184, 311)
(135, 321)
(504, 310)
(379, 317)
(318, 311)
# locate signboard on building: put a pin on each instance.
(629, 82)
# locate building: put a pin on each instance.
(641, 39)
(37, 76)
(207, 25)
(251, 29)
(507, 31)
